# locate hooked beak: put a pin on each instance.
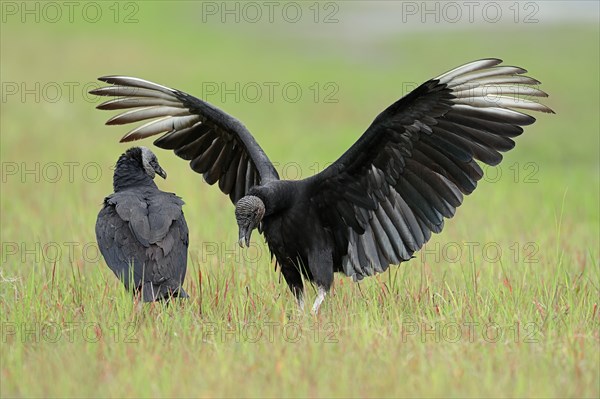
(161, 172)
(244, 236)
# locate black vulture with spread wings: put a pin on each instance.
(380, 201)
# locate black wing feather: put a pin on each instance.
(408, 172)
(196, 130)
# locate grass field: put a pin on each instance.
(503, 303)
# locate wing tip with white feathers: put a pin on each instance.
(486, 83)
(142, 100)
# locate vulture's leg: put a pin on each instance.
(321, 292)
(294, 280)
(320, 263)
(299, 294)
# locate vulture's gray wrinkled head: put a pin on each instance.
(249, 212)
(150, 163)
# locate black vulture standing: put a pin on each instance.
(380, 201)
(141, 231)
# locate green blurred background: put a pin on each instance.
(332, 67)
(306, 78)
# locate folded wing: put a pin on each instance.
(147, 237)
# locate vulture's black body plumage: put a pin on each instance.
(141, 230)
(380, 201)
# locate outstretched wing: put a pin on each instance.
(410, 169)
(217, 145)
(148, 236)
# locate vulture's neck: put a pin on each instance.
(128, 173)
(277, 196)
